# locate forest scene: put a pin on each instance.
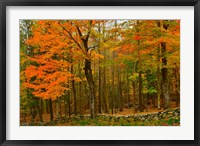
(99, 72)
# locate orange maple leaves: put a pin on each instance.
(137, 37)
(48, 74)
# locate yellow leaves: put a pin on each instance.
(84, 79)
(113, 49)
(77, 79)
(95, 55)
(78, 54)
(134, 77)
(145, 51)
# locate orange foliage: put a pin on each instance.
(48, 75)
(137, 38)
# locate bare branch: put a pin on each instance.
(71, 36)
(79, 31)
(88, 34)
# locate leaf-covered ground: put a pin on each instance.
(95, 122)
(170, 117)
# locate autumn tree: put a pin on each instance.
(47, 76)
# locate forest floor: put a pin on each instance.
(116, 119)
(95, 122)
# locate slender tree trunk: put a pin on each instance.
(42, 105)
(134, 89)
(57, 108)
(120, 91)
(74, 91)
(165, 76)
(80, 97)
(165, 71)
(100, 72)
(95, 99)
(40, 111)
(47, 106)
(127, 88)
(69, 101)
(105, 96)
(80, 89)
(23, 114)
(60, 106)
(176, 86)
(158, 74)
(65, 105)
(153, 100)
(140, 92)
(51, 110)
(145, 99)
(134, 95)
(158, 77)
(87, 97)
(113, 86)
(100, 89)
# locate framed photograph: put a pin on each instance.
(99, 72)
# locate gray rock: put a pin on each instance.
(24, 124)
(129, 119)
(142, 119)
(170, 112)
(176, 114)
(116, 119)
(156, 118)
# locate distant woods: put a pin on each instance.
(77, 67)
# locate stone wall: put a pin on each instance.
(166, 114)
(156, 116)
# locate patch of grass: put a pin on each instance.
(102, 122)
(83, 123)
(170, 121)
(125, 124)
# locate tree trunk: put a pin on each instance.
(105, 96)
(120, 90)
(80, 89)
(51, 110)
(134, 95)
(100, 90)
(88, 74)
(47, 106)
(127, 88)
(113, 88)
(100, 71)
(140, 92)
(74, 91)
(164, 77)
(158, 77)
(176, 86)
(165, 71)
(40, 110)
(88, 71)
(68, 101)
(57, 108)
(42, 106)
(65, 103)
